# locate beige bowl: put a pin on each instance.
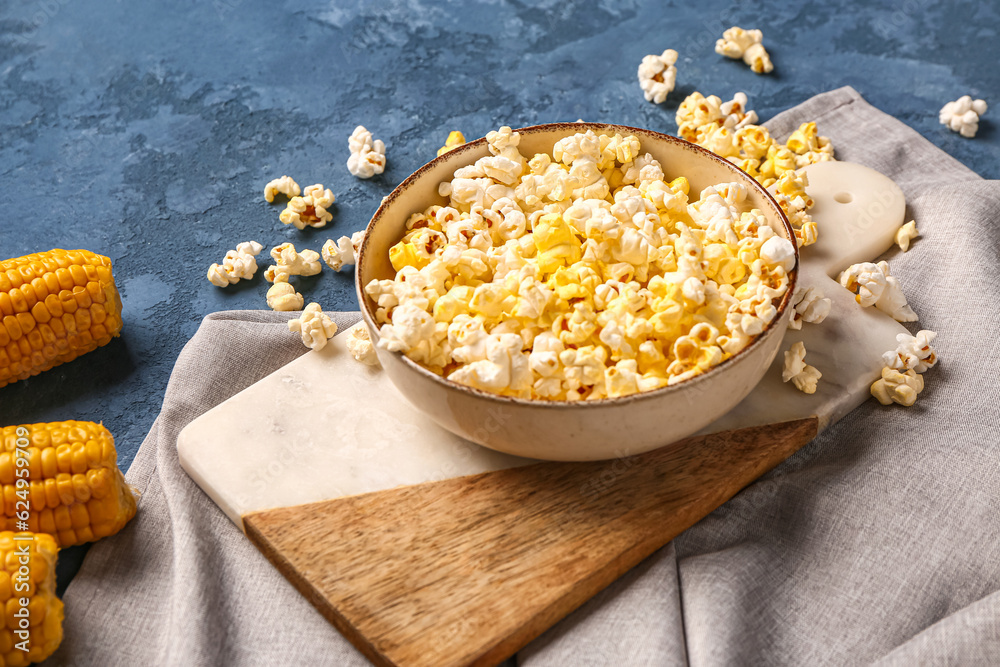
(567, 430)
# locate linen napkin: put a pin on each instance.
(879, 542)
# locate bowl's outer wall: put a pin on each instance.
(557, 430)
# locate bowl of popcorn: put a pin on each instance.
(577, 291)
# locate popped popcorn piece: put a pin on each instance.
(809, 305)
(288, 263)
(342, 252)
(282, 296)
(658, 75)
(778, 251)
(962, 115)
(866, 280)
(284, 185)
(309, 210)
(896, 387)
(504, 369)
(905, 234)
(746, 44)
(239, 264)
(314, 326)
(873, 285)
(454, 140)
(913, 352)
(582, 274)
(367, 156)
(359, 344)
(802, 375)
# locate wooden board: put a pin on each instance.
(467, 571)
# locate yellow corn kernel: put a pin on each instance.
(64, 477)
(32, 615)
(54, 306)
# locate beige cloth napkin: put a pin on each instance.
(878, 542)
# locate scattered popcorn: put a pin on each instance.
(905, 234)
(873, 285)
(802, 375)
(310, 210)
(282, 296)
(913, 352)
(580, 274)
(746, 44)
(962, 115)
(284, 185)
(658, 75)
(239, 264)
(288, 262)
(359, 344)
(367, 156)
(809, 305)
(315, 326)
(896, 387)
(454, 140)
(343, 252)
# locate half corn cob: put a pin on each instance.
(30, 632)
(75, 491)
(54, 306)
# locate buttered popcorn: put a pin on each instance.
(583, 274)
(729, 130)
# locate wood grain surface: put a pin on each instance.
(468, 570)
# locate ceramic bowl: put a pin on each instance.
(567, 430)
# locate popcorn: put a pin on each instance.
(913, 352)
(746, 44)
(310, 210)
(802, 375)
(874, 286)
(367, 156)
(284, 185)
(238, 264)
(809, 305)
(359, 344)
(696, 111)
(288, 263)
(658, 75)
(315, 327)
(454, 140)
(778, 251)
(728, 130)
(282, 296)
(504, 370)
(962, 115)
(582, 274)
(866, 280)
(343, 252)
(905, 234)
(896, 387)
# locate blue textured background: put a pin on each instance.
(146, 131)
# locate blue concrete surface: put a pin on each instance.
(146, 131)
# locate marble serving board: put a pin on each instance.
(325, 426)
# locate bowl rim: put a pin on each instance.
(690, 384)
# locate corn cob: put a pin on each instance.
(30, 632)
(54, 306)
(75, 491)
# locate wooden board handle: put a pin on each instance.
(466, 571)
